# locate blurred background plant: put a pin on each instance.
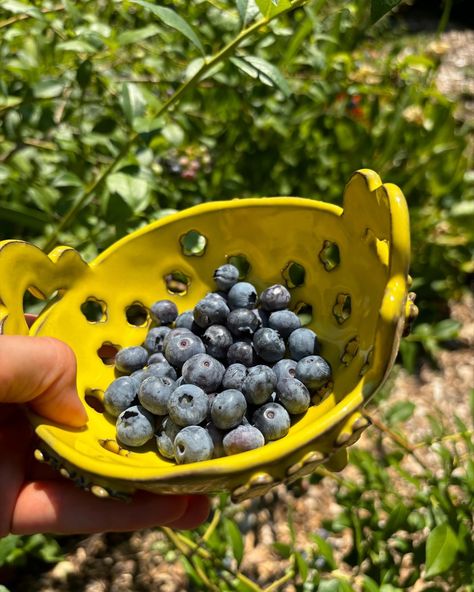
(110, 118)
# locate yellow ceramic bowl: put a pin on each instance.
(347, 267)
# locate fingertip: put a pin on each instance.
(197, 512)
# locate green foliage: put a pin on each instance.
(113, 91)
(17, 551)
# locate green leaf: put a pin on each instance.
(172, 19)
(441, 550)
(282, 549)
(397, 518)
(77, 46)
(446, 329)
(262, 70)
(301, 566)
(235, 539)
(378, 8)
(369, 585)
(132, 190)
(270, 8)
(3, 588)
(399, 412)
(132, 101)
(7, 545)
(48, 88)
(242, 6)
(325, 550)
(21, 8)
(137, 35)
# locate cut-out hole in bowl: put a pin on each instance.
(94, 310)
(242, 263)
(350, 351)
(35, 302)
(177, 283)
(137, 314)
(95, 399)
(329, 255)
(107, 352)
(304, 312)
(342, 309)
(193, 243)
(294, 275)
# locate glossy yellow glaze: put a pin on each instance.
(360, 341)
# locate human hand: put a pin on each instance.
(40, 372)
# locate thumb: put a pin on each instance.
(41, 371)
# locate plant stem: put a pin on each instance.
(188, 547)
(24, 16)
(402, 442)
(207, 64)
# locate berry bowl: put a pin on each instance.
(345, 268)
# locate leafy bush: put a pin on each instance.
(92, 147)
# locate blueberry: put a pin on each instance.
(217, 340)
(269, 345)
(130, 359)
(140, 375)
(164, 312)
(120, 394)
(314, 372)
(155, 358)
(275, 297)
(226, 276)
(182, 346)
(285, 369)
(228, 408)
(284, 321)
(173, 334)
(243, 438)
(135, 426)
(241, 352)
(272, 420)
(210, 311)
(204, 371)
(155, 392)
(242, 295)
(217, 436)
(242, 322)
(192, 444)
(293, 395)
(188, 405)
(303, 342)
(154, 340)
(185, 320)
(234, 377)
(161, 369)
(259, 384)
(165, 437)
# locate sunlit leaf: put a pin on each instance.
(172, 19)
(260, 69)
(441, 550)
(136, 35)
(271, 8)
(132, 101)
(132, 190)
(235, 539)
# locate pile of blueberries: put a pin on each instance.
(224, 378)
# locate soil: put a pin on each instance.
(143, 561)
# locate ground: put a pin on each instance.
(142, 562)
